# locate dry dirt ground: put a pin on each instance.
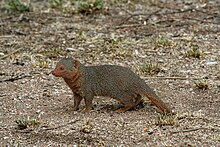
(128, 33)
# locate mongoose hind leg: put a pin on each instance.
(129, 104)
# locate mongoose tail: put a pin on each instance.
(156, 101)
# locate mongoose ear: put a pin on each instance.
(77, 64)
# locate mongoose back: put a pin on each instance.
(105, 80)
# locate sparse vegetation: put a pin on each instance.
(81, 36)
(151, 68)
(41, 64)
(202, 84)
(113, 43)
(28, 121)
(52, 52)
(163, 42)
(56, 3)
(90, 6)
(216, 137)
(194, 52)
(17, 5)
(87, 127)
(164, 120)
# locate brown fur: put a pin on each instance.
(105, 80)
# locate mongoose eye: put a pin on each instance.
(61, 68)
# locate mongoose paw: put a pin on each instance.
(75, 109)
(121, 110)
(86, 110)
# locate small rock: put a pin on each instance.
(211, 62)
(71, 49)
(5, 137)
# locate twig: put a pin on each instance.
(21, 76)
(127, 26)
(57, 127)
(171, 78)
(189, 130)
(136, 14)
(24, 131)
(156, 13)
(7, 36)
(15, 51)
(18, 77)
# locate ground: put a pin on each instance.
(181, 37)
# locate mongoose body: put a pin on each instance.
(105, 80)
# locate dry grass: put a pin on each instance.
(194, 52)
(151, 68)
(202, 84)
(28, 121)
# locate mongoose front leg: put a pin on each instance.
(77, 100)
(88, 102)
(138, 100)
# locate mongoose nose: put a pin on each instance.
(53, 72)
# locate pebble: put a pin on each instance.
(211, 62)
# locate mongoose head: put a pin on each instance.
(66, 68)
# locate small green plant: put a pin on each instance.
(17, 5)
(194, 52)
(202, 84)
(28, 121)
(87, 127)
(216, 137)
(56, 3)
(163, 42)
(90, 6)
(113, 42)
(15, 143)
(81, 35)
(41, 64)
(52, 52)
(164, 120)
(151, 68)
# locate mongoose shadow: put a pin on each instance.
(105, 80)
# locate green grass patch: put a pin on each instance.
(151, 68)
(56, 4)
(90, 6)
(41, 64)
(194, 52)
(202, 84)
(164, 120)
(28, 121)
(17, 6)
(163, 42)
(86, 127)
(52, 53)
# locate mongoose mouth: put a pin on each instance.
(55, 74)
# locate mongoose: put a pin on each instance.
(105, 80)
